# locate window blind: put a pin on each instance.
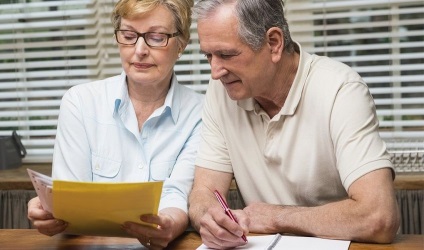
(383, 40)
(47, 46)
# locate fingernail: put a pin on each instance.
(61, 222)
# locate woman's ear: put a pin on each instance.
(181, 49)
(275, 40)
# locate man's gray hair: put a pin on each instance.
(255, 17)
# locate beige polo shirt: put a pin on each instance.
(323, 139)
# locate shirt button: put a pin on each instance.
(140, 166)
(97, 166)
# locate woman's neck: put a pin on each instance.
(146, 99)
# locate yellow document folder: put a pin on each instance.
(101, 208)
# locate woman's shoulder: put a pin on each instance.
(96, 85)
(190, 94)
(94, 88)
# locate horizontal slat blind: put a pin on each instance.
(383, 40)
(45, 48)
(48, 46)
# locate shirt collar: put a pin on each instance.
(121, 98)
(172, 100)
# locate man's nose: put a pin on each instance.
(217, 68)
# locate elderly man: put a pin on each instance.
(298, 132)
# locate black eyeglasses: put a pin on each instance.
(152, 39)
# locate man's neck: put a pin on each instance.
(283, 80)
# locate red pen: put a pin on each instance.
(227, 210)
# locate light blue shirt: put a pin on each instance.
(98, 139)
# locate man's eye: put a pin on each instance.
(224, 56)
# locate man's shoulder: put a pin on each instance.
(332, 66)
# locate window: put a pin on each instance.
(48, 46)
(384, 42)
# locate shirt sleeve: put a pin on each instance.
(70, 158)
(354, 129)
(177, 187)
(213, 151)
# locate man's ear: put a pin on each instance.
(275, 40)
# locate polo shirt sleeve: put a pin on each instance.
(354, 128)
(213, 153)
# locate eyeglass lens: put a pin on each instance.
(153, 39)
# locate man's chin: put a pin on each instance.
(235, 91)
(235, 96)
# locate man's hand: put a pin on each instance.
(208, 217)
(42, 220)
(219, 231)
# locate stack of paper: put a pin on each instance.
(43, 186)
(290, 243)
(96, 208)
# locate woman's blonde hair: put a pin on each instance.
(180, 9)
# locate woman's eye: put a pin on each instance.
(157, 38)
(128, 35)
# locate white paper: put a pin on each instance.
(43, 186)
(291, 243)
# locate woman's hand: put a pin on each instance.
(42, 220)
(171, 222)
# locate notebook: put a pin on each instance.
(285, 242)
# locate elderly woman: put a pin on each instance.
(139, 126)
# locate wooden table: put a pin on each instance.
(30, 239)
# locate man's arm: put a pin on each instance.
(370, 214)
(206, 214)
